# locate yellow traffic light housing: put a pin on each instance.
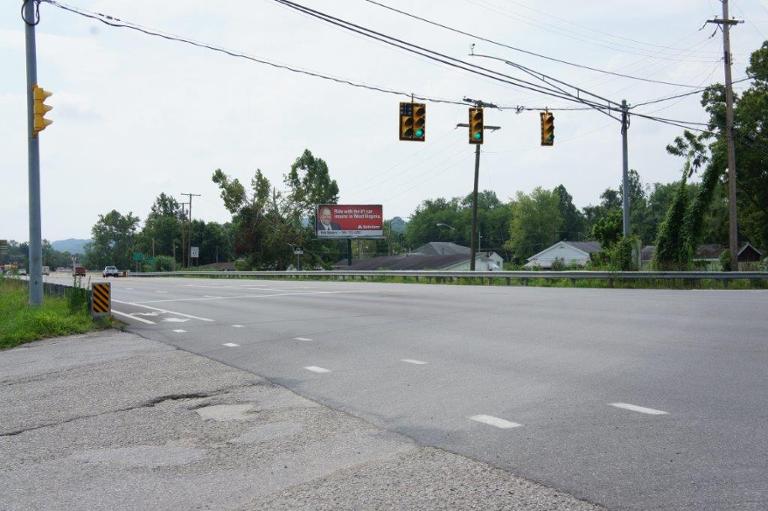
(39, 95)
(413, 121)
(476, 125)
(419, 121)
(547, 129)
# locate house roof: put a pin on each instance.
(442, 248)
(707, 251)
(588, 247)
(748, 246)
(404, 262)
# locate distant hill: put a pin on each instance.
(72, 245)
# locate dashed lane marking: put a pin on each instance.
(316, 369)
(305, 339)
(495, 421)
(237, 326)
(640, 409)
(274, 295)
(132, 317)
(180, 331)
(412, 361)
(163, 310)
(230, 345)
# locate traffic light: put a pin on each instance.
(547, 129)
(39, 95)
(419, 121)
(475, 125)
(413, 121)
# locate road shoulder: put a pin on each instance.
(109, 420)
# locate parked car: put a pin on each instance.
(79, 271)
(110, 271)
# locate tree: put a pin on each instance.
(112, 240)
(673, 249)
(310, 184)
(536, 222)
(162, 230)
(573, 219)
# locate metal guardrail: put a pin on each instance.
(480, 275)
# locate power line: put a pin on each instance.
(118, 23)
(521, 50)
(439, 57)
(668, 98)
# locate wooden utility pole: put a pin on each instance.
(725, 24)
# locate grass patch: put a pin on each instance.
(20, 323)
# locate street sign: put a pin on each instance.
(138, 257)
(101, 299)
(298, 252)
(194, 252)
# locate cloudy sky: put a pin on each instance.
(135, 116)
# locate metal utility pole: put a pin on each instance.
(725, 24)
(189, 240)
(473, 237)
(35, 271)
(625, 168)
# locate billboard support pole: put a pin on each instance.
(349, 251)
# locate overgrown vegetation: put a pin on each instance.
(58, 316)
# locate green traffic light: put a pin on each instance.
(477, 136)
(419, 133)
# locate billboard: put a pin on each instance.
(340, 221)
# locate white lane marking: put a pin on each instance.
(316, 369)
(180, 331)
(132, 317)
(230, 345)
(175, 320)
(211, 296)
(163, 310)
(245, 296)
(641, 409)
(494, 421)
(412, 361)
(161, 292)
(305, 339)
(237, 326)
(151, 314)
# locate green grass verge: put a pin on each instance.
(20, 323)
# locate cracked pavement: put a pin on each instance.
(113, 421)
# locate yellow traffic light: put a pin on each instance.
(413, 121)
(476, 125)
(39, 95)
(547, 129)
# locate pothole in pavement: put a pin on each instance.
(226, 412)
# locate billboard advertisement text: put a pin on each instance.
(349, 221)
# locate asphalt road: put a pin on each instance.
(633, 399)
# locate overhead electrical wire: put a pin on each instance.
(590, 40)
(668, 98)
(446, 59)
(118, 23)
(522, 50)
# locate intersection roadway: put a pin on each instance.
(633, 399)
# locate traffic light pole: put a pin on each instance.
(473, 243)
(30, 16)
(625, 168)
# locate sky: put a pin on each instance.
(135, 115)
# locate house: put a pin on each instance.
(569, 252)
(707, 256)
